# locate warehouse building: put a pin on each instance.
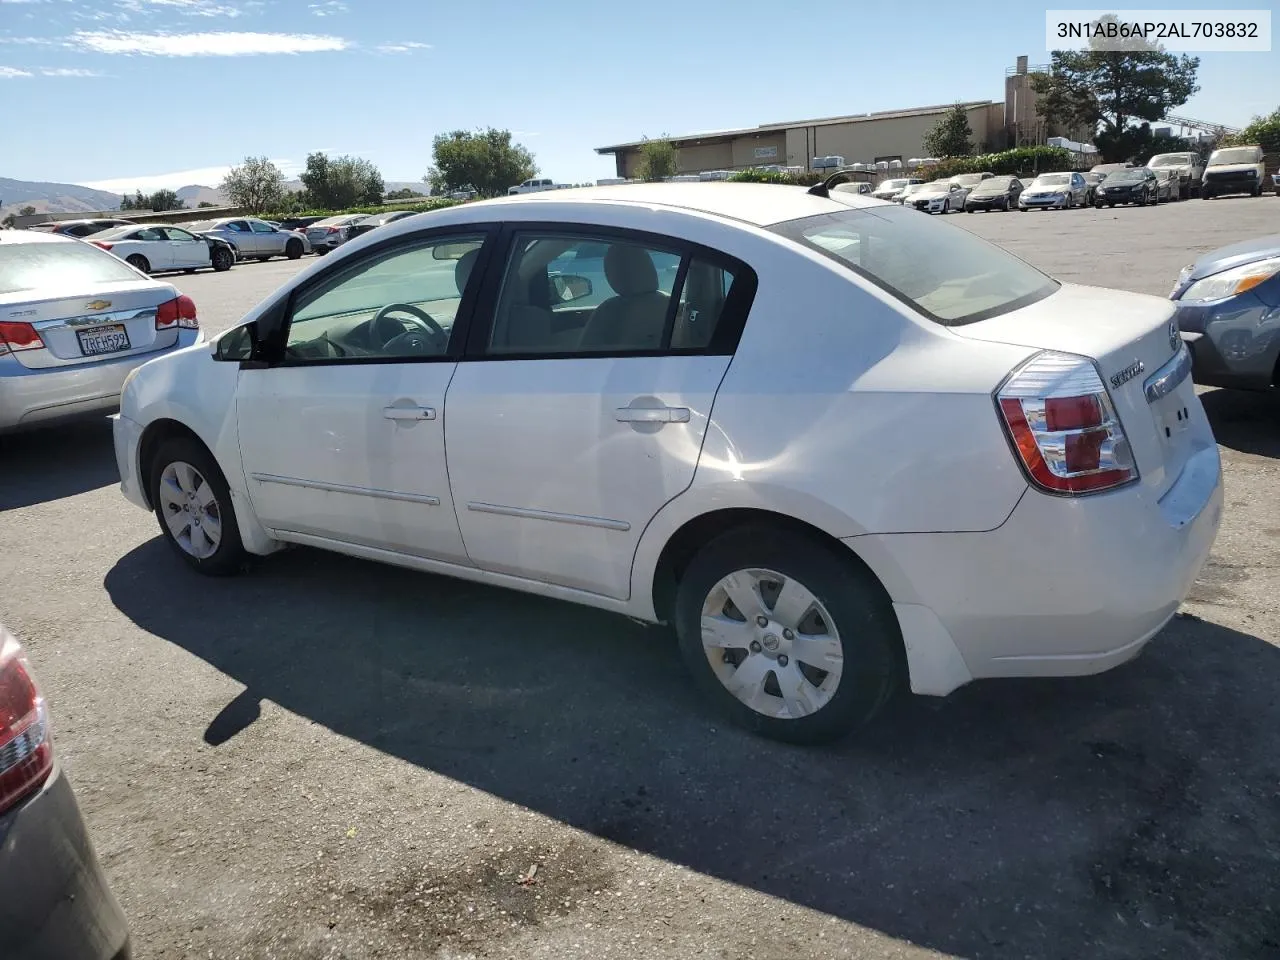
(858, 138)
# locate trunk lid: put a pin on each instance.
(98, 316)
(1134, 340)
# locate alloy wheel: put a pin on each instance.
(772, 643)
(190, 510)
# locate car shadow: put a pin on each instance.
(48, 464)
(1245, 420)
(1128, 814)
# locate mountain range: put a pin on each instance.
(73, 198)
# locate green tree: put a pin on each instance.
(257, 185)
(335, 183)
(205, 203)
(1264, 131)
(1115, 93)
(951, 136)
(158, 201)
(485, 160)
(403, 194)
(659, 159)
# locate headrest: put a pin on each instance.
(630, 270)
(462, 269)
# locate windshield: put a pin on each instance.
(892, 185)
(1053, 180)
(944, 271)
(1235, 155)
(968, 179)
(64, 267)
(943, 185)
(993, 185)
(1171, 160)
(1125, 176)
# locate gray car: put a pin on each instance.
(254, 239)
(332, 232)
(74, 323)
(54, 898)
(1229, 314)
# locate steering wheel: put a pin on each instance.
(410, 341)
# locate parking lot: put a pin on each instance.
(332, 758)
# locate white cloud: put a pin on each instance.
(202, 177)
(327, 8)
(11, 73)
(203, 44)
(404, 47)
(192, 8)
(68, 72)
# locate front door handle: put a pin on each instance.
(652, 414)
(409, 413)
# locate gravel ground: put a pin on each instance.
(328, 758)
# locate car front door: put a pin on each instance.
(267, 240)
(187, 249)
(242, 237)
(568, 428)
(342, 428)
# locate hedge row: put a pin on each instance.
(1021, 160)
(432, 203)
(775, 176)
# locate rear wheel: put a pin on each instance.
(293, 249)
(786, 636)
(138, 262)
(222, 259)
(192, 503)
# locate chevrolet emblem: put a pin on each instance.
(97, 304)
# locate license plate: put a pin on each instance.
(108, 339)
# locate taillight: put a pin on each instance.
(178, 312)
(102, 243)
(15, 336)
(1063, 426)
(26, 747)
(332, 229)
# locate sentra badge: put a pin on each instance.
(1128, 373)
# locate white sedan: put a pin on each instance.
(158, 247)
(941, 196)
(840, 447)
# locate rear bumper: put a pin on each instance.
(1065, 587)
(1233, 342)
(34, 398)
(54, 900)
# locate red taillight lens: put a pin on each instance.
(1063, 426)
(178, 312)
(15, 336)
(101, 243)
(332, 229)
(26, 747)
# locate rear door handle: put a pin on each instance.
(409, 413)
(652, 414)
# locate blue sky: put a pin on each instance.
(149, 93)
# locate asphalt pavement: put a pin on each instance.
(330, 758)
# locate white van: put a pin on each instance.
(1234, 170)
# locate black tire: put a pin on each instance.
(321, 251)
(189, 271)
(293, 249)
(230, 556)
(138, 262)
(870, 640)
(1206, 195)
(262, 259)
(222, 259)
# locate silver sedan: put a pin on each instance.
(75, 321)
(254, 239)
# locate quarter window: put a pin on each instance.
(400, 304)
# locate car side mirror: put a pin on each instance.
(237, 344)
(568, 287)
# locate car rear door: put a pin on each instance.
(564, 440)
(342, 431)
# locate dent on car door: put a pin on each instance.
(342, 433)
(561, 450)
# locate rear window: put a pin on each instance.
(62, 266)
(943, 271)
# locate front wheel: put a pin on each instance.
(293, 249)
(222, 259)
(787, 636)
(192, 503)
(139, 262)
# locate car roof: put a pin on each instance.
(10, 237)
(762, 204)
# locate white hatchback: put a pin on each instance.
(836, 444)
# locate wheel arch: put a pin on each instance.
(153, 436)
